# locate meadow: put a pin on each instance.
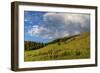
(73, 47)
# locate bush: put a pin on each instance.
(78, 53)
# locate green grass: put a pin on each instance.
(77, 47)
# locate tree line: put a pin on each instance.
(30, 45)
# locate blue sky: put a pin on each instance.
(45, 26)
(32, 18)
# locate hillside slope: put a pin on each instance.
(76, 47)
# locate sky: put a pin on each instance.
(46, 26)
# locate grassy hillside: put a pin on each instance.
(76, 47)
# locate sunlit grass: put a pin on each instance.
(75, 48)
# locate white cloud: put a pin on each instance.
(25, 20)
(37, 30)
(57, 25)
(68, 17)
(34, 30)
(35, 26)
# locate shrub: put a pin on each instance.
(78, 53)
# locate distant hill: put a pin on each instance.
(32, 45)
(62, 39)
(73, 47)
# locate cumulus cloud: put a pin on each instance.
(56, 25)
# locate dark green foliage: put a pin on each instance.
(29, 45)
(59, 43)
(78, 53)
